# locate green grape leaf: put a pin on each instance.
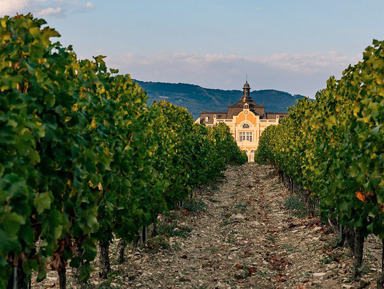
(85, 272)
(42, 201)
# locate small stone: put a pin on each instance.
(333, 266)
(238, 217)
(319, 274)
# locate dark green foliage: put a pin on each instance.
(333, 146)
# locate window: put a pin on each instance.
(246, 126)
(246, 106)
(245, 135)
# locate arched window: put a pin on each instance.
(246, 106)
(245, 125)
(206, 119)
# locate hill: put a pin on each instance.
(197, 99)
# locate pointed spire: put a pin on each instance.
(246, 91)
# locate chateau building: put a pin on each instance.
(246, 120)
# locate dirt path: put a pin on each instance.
(243, 237)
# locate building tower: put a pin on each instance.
(246, 121)
(246, 92)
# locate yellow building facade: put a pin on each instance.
(246, 120)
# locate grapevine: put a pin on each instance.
(333, 147)
(83, 158)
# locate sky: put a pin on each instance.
(288, 45)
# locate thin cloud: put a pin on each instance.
(11, 7)
(304, 63)
(297, 74)
(57, 8)
(49, 11)
(310, 62)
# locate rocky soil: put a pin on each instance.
(245, 231)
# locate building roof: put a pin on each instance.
(206, 117)
(239, 106)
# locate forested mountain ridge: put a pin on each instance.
(196, 98)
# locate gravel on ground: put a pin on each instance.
(245, 231)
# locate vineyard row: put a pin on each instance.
(332, 148)
(83, 159)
